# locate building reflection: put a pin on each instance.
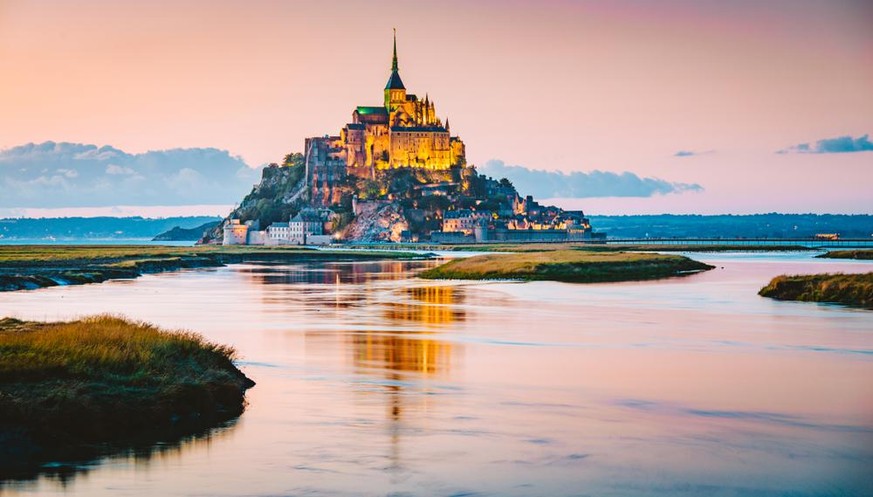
(329, 273)
(408, 354)
(431, 305)
(319, 286)
(415, 349)
(400, 352)
(389, 326)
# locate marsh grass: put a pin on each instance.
(567, 265)
(67, 387)
(849, 289)
(860, 254)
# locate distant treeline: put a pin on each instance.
(734, 226)
(95, 227)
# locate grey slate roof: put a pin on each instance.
(394, 82)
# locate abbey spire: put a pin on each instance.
(394, 60)
(395, 92)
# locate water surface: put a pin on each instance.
(372, 382)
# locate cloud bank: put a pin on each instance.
(555, 184)
(838, 145)
(54, 175)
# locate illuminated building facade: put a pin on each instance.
(402, 132)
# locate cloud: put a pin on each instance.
(838, 145)
(59, 175)
(692, 153)
(555, 184)
(116, 169)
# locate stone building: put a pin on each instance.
(402, 132)
(235, 233)
(464, 221)
(239, 233)
(305, 224)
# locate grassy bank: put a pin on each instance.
(860, 254)
(567, 265)
(25, 267)
(81, 389)
(849, 289)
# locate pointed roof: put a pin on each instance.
(394, 82)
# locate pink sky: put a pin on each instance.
(562, 85)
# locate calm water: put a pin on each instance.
(372, 382)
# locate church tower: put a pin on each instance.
(395, 92)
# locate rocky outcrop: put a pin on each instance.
(377, 221)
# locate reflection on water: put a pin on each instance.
(400, 353)
(372, 382)
(431, 305)
(399, 358)
(329, 273)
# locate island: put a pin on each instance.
(179, 234)
(849, 289)
(568, 265)
(395, 171)
(87, 388)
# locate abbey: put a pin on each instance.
(402, 132)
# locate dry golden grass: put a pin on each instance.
(849, 289)
(68, 389)
(41, 254)
(861, 254)
(98, 346)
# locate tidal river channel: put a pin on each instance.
(373, 382)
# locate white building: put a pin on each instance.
(278, 232)
(303, 225)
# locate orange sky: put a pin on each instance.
(564, 85)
